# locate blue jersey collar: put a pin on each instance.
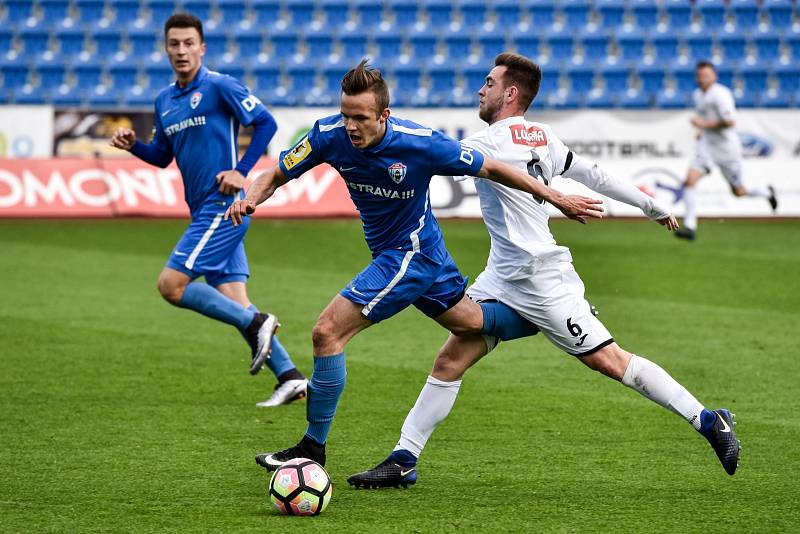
(177, 90)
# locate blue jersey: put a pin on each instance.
(388, 182)
(199, 125)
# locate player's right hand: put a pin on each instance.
(123, 138)
(578, 207)
(238, 210)
(670, 222)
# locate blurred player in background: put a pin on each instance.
(197, 122)
(387, 164)
(717, 144)
(529, 272)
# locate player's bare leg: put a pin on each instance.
(689, 229)
(767, 192)
(339, 322)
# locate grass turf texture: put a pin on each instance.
(121, 413)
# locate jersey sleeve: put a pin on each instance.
(159, 151)
(306, 154)
(239, 101)
(726, 106)
(452, 158)
(561, 156)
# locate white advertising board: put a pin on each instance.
(26, 131)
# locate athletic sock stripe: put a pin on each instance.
(206, 236)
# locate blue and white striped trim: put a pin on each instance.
(329, 127)
(234, 159)
(202, 243)
(422, 132)
(403, 265)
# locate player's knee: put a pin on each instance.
(610, 361)
(171, 291)
(739, 191)
(324, 337)
(447, 366)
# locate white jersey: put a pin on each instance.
(717, 104)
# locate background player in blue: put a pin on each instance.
(387, 164)
(197, 122)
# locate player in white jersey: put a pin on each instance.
(529, 272)
(717, 144)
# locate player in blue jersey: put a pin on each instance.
(387, 164)
(197, 122)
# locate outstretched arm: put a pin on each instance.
(260, 190)
(597, 179)
(157, 153)
(575, 207)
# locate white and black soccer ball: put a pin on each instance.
(300, 487)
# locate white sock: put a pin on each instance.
(433, 405)
(758, 191)
(655, 383)
(690, 201)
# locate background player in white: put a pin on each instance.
(529, 272)
(717, 144)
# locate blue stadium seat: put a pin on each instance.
(267, 76)
(683, 73)
(103, 97)
(775, 99)
(125, 11)
(576, 13)
(612, 13)
(142, 40)
(767, 44)
(108, 40)
(581, 77)
(780, 13)
(754, 78)
(594, 43)
(712, 12)
(473, 14)
(66, 97)
(561, 43)
(440, 13)
(51, 70)
(615, 77)
(652, 77)
(423, 44)
(551, 80)
(388, 43)
(792, 41)
(699, 44)
(54, 10)
(336, 12)
(301, 12)
(491, 43)
(443, 76)
(232, 11)
(90, 11)
(788, 77)
(267, 11)
(725, 73)
(733, 45)
(87, 71)
(199, 8)
(216, 40)
(249, 41)
(18, 11)
(232, 65)
(645, 13)
(284, 42)
(370, 12)
(122, 72)
(746, 13)
(139, 97)
(665, 45)
(6, 38)
(746, 99)
(70, 41)
(635, 100)
(526, 42)
(15, 71)
(160, 10)
(561, 100)
(30, 95)
(508, 13)
(34, 38)
(301, 78)
(354, 44)
(669, 99)
(319, 43)
(405, 13)
(332, 74)
(601, 99)
(542, 13)
(679, 13)
(474, 77)
(407, 77)
(457, 44)
(631, 44)
(159, 72)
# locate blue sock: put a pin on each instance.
(707, 420)
(324, 389)
(501, 321)
(403, 458)
(204, 299)
(279, 361)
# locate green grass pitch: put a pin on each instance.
(120, 413)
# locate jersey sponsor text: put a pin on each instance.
(185, 123)
(531, 136)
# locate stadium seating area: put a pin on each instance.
(594, 53)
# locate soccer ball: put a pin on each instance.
(300, 487)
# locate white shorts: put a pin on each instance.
(728, 159)
(552, 299)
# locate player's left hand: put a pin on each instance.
(578, 207)
(230, 182)
(670, 222)
(238, 210)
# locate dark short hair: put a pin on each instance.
(184, 20)
(363, 78)
(705, 63)
(522, 73)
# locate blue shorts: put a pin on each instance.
(212, 247)
(396, 278)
